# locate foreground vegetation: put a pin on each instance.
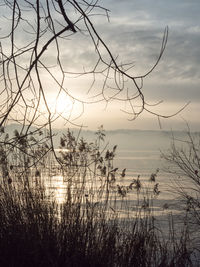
(88, 228)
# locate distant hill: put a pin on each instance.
(125, 139)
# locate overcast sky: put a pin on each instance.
(135, 33)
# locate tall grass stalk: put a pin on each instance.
(86, 229)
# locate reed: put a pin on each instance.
(88, 228)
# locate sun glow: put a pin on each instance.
(60, 189)
(57, 188)
(61, 105)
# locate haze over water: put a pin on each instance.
(140, 153)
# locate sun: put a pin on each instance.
(61, 105)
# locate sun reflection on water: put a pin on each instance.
(57, 188)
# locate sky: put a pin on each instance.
(134, 33)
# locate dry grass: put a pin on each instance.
(37, 231)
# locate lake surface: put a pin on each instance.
(141, 163)
(140, 153)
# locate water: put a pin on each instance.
(140, 153)
(142, 162)
(137, 163)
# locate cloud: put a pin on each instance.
(134, 34)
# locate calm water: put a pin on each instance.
(139, 152)
(142, 163)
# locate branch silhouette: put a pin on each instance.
(38, 33)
